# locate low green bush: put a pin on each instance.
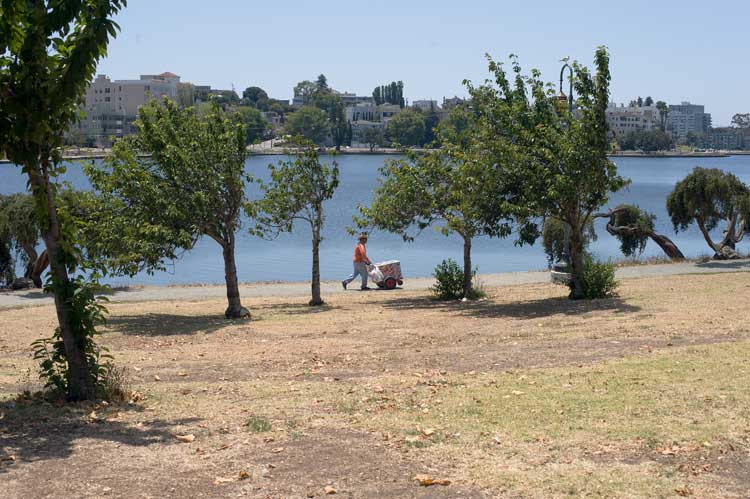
(598, 279)
(450, 282)
(449, 277)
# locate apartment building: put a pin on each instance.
(623, 120)
(111, 106)
(686, 118)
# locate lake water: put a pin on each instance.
(288, 258)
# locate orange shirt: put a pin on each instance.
(360, 254)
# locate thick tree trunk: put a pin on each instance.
(666, 244)
(468, 275)
(576, 262)
(316, 298)
(81, 381)
(234, 310)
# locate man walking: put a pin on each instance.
(360, 263)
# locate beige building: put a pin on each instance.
(111, 106)
(623, 120)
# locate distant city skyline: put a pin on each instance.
(673, 50)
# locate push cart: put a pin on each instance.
(386, 274)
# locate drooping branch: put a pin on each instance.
(637, 226)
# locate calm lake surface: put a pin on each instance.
(288, 258)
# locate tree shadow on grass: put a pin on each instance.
(154, 324)
(527, 309)
(294, 308)
(33, 430)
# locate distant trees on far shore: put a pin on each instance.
(646, 141)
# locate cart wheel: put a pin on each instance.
(400, 282)
(390, 283)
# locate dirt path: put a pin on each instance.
(296, 289)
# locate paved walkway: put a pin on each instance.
(189, 293)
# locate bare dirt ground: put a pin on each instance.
(524, 394)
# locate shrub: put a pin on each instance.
(598, 279)
(450, 282)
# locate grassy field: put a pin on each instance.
(525, 394)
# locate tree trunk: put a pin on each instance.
(576, 262)
(468, 275)
(234, 310)
(666, 244)
(80, 379)
(316, 298)
(36, 268)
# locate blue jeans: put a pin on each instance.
(360, 269)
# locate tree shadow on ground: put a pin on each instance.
(528, 309)
(295, 308)
(155, 324)
(725, 264)
(34, 430)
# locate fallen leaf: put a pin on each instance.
(277, 450)
(185, 438)
(7, 458)
(183, 374)
(244, 475)
(428, 431)
(156, 377)
(329, 490)
(427, 480)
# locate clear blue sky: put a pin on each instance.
(670, 49)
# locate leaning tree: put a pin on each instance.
(184, 176)
(708, 197)
(48, 54)
(21, 231)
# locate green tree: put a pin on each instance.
(633, 227)
(663, 111)
(321, 83)
(306, 90)
(255, 97)
(255, 124)
(646, 140)
(192, 183)
(21, 231)
(407, 128)
(561, 156)
(373, 136)
(48, 54)
(296, 192)
(649, 101)
(449, 188)
(309, 122)
(707, 197)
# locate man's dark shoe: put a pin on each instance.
(365, 288)
(343, 284)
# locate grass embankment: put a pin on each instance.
(525, 394)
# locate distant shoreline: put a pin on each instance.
(277, 151)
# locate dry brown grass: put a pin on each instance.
(525, 394)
